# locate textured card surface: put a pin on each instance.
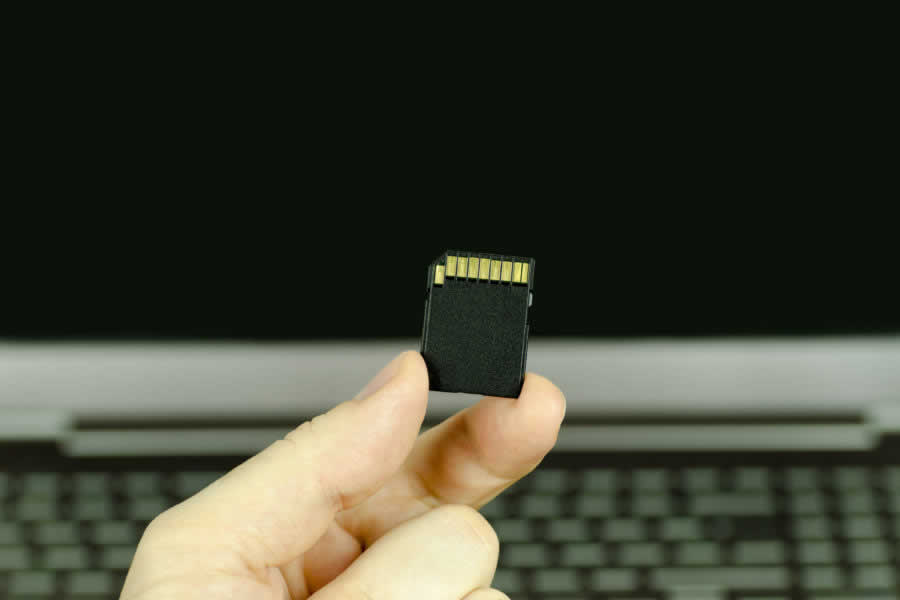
(475, 335)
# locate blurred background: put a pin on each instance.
(218, 248)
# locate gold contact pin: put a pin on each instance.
(517, 273)
(451, 266)
(506, 272)
(495, 270)
(484, 270)
(461, 266)
(473, 268)
(524, 272)
(439, 275)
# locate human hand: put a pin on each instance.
(355, 505)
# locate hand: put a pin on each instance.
(355, 505)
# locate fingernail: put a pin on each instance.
(383, 378)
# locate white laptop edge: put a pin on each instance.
(45, 388)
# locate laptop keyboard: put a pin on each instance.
(774, 531)
(702, 533)
(74, 535)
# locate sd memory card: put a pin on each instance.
(475, 336)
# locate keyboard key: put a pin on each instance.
(641, 554)
(495, 509)
(680, 528)
(650, 480)
(851, 478)
(698, 553)
(732, 504)
(701, 480)
(594, 505)
(752, 479)
(37, 508)
(114, 533)
(91, 484)
(743, 528)
(11, 533)
(57, 533)
(541, 506)
(524, 555)
(521, 486)
(66, 557)
(582, 555)
(894, 503)
(40, 484)
(697, 592)
(822, 578)
(651, 506)
(736, 578)
(812, 553)
(552, 481)
(808, 503)
(189, 483)
(513, 530)
(509, 580)
(613, 580)
(860, 502)
(96, 508)
(623, 530)
(760, 553)
(803, 478)
(142, 484)
(14, 558)
(875, 577)
(600, 481)
(556, 580)
(147, 508)
(868, 551)
(32, 582)
(568, 530)
(86, 583)
(891, 477)
(116, 557)
(812, 528)
(862, 527)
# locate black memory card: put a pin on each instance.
(475, 336)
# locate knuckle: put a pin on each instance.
(473, 526)
(302, 443)
(160, 525)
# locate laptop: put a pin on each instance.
(689, 469)
(731, 433)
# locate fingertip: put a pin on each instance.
(414, 370)
(402, 384)
(514, 433)
(539, 391)
(410, 385)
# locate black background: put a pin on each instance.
(677, 193)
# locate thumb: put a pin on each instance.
(277, 504)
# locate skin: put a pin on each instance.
(355, 504)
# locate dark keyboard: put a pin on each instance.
(773, 531)
(789, 527)
(73, 535)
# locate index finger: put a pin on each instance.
(277, 504)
